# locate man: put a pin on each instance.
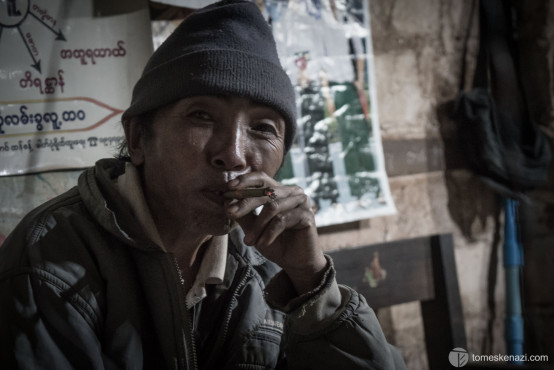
(134, 269)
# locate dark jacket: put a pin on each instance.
(82, 287)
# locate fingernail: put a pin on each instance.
(233, 208)
(233, 182)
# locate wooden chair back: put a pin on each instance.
(421, 269)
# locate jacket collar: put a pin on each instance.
(96, 186)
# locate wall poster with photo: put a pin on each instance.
(325, 48)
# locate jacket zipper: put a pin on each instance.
(187, 319)
(243, 281)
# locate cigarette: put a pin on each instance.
(250, 193)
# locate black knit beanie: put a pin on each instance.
(224, 48)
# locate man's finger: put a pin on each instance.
(294, 219)
(244, 206)
(247, 222)
(273, 209)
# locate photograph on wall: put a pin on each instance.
(67, 69)
(325, 48)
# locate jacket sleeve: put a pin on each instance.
(44, 324)
(331, 327)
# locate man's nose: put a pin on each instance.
(229, 150)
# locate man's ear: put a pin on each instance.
(134, 133)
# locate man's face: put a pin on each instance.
(196, 146)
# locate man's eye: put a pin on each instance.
(200, 114)
(266, 128)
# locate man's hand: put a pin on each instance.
(284, 231)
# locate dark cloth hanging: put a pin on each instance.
(498, 137)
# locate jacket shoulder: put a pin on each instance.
(46, 256)
(55, 238)
(38, 221)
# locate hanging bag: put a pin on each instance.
(499, 139)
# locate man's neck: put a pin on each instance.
(187, 247)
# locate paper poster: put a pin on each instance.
(325, 48)
(67, 69)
